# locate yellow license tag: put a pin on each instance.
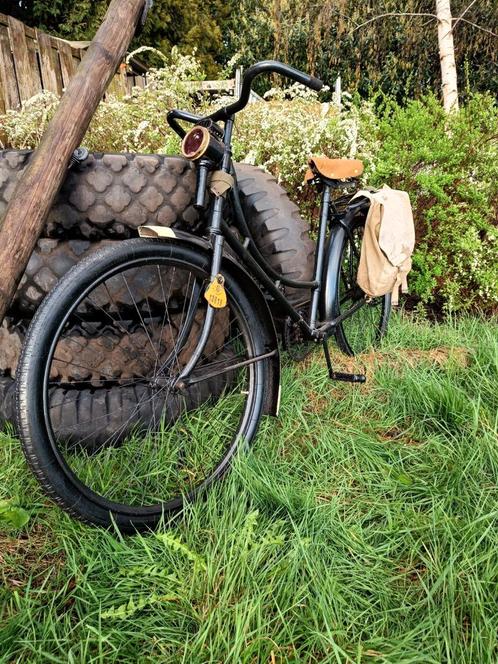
(215, 293)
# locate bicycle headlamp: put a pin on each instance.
(199, 142)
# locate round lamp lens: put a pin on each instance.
(195, 143)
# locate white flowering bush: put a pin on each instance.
(283, 133)
(23, 129)
(135, 123)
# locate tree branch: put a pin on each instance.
(479, 27)
(463, 14)
(375, 18)
(432, 16)
(460, 18)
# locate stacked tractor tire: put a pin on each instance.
(103, 201)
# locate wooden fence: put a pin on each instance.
(32, 61)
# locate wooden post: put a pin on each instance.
(40, 183)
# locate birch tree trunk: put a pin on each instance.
(447, 56)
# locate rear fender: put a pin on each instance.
(252, 290)
(328, 305)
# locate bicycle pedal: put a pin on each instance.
(347, 377)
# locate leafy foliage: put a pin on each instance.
(397, 54)
(450, 168)
(12, 514)
(176, 545)
(183, 23)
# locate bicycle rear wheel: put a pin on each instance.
(118, 441)
(364, 328)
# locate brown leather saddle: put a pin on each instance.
(332, 171)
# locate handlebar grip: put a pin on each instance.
(264, 67)
(175, 115)
(315, 84)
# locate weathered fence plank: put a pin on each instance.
(27, 75)
(31, 61)
(68, 65)
(8, 83)
(49, 63)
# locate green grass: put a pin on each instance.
(361, 528)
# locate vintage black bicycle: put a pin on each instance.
(200, 317)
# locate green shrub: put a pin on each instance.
(449, 165)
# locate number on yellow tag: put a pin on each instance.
(215, 293)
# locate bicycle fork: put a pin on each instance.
(217, 243)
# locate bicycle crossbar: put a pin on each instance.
(331, 324)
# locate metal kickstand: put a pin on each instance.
(339, 375)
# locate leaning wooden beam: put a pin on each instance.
(35, 193)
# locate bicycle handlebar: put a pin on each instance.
(256, 70)
(250, 74)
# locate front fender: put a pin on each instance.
(258, 300)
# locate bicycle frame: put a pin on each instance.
(257, 266)
(219, 232)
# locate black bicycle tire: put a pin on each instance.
(339, 242)
(32, 427)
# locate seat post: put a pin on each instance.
(320, 252)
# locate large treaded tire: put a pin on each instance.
(51, 259)
(111, 195)
(280, 233)
(94, 351)
(91, 409)
(7, 399)
(108, 196)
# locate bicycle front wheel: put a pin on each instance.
(106, 427)
(368, 324)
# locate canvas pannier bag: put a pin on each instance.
(388, 243)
